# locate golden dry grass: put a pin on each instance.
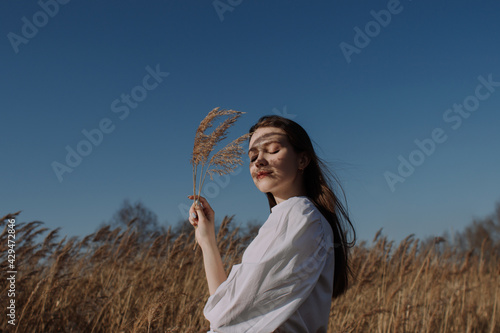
(109, 282)
(225, 160)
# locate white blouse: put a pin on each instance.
(285, 277)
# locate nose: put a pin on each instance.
(260, 160)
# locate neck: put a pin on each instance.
(295, 192)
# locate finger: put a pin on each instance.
(196, 201)
(204, 207)
(204, 204)
(193, 221)
(199, 211)
(203, 201)
(199, 198)
(192, 211)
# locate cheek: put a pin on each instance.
(281, 163)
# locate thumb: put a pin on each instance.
(199, 210)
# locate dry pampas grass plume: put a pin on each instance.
(222, 162)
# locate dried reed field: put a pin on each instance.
(114, 281)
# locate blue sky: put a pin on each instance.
(72, 70)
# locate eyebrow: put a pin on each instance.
(263, 142)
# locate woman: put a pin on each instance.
(298, 261)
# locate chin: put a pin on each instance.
(263, 188)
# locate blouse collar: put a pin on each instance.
(287, 202)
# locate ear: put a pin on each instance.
(304, 160)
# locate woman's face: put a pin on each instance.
(274, 165)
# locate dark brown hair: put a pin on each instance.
(317, 181)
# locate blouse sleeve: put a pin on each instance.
(279, 269)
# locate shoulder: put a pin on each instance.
(298, 204)
(303, 205)
(303, 210)
(304, 218)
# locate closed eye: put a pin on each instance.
(255, 157)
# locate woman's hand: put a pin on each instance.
(202, 218)
(205, 235)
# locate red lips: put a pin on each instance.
(262, 174)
